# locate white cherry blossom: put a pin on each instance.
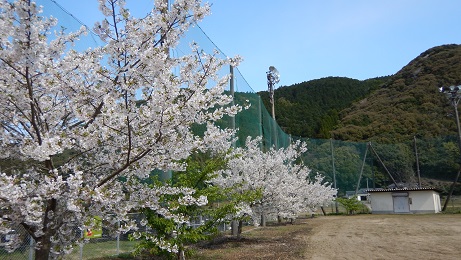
(76, 128)
(286, 185)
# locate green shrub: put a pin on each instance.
(352, 205)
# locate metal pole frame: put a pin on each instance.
(454, 96)
(270, 86)
(334, 173)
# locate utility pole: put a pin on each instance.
(361, 172)
(454, 95)
(417, 163)
(334, 172)
(235, 224)
(382, 163)
(273, 77)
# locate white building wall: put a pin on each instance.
(381, 202)
(438, 206)
(421, 201)
(425, 201)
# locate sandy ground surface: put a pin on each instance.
(431, 236)
(384, 237)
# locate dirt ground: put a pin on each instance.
(431, 236)
(385, 237)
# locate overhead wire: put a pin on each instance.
(92, 33)
(217, 48)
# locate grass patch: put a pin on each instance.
(92, 250)
(100, 250)
(20, 253)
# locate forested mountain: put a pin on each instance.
(311, 108)
(410, 104)
(397, 113)
(384, 109)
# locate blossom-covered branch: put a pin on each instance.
(78, 121)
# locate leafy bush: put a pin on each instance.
(352, 205)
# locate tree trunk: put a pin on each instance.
(234, 228)
(43, 253)
(263, 220)
(240, 229)
(323, 211)
(181, 255)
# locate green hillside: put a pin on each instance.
(384, 109)
(388, 111)
(311, 108)
(410, 104)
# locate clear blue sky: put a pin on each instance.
(308, 40)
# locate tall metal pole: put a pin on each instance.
(273, 78)
(232, 92)
(452, 188)
(270, 86)
(454, 102)
(454, 96)
(382, 163)
(361, 172)
(271, 98)
(417, 164)
(234, 223)
(334, 171)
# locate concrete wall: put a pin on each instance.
(424, 201)
(381, 202)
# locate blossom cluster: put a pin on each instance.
(84, 127)
(286, 185)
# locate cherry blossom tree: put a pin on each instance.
(286, 186)
(87, 126)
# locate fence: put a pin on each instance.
(100, 246)
(97, 247)
(25, 251)
(429, 162)
(104, 245)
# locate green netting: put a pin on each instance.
(360, 165)
(350, 165)
(340, 161)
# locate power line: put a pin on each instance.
(96, 42)
(216, 46)
(76, 19)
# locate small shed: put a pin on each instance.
(404, 200)
(361, 195)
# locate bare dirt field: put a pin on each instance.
(431, 236)
(385, 237)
